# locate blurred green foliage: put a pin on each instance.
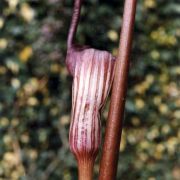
(35, 88)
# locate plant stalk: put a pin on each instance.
(85, 170)
(74, 22)
(110, 152)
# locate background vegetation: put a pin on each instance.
(35, 88)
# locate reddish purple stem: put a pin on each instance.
(109, 160)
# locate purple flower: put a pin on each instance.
(92, 72)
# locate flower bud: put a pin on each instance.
(92, 72)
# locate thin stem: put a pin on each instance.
(74, 22)
(85, 169)
(109, 160)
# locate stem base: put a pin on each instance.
(85, 169)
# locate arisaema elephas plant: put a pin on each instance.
(93, 72)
